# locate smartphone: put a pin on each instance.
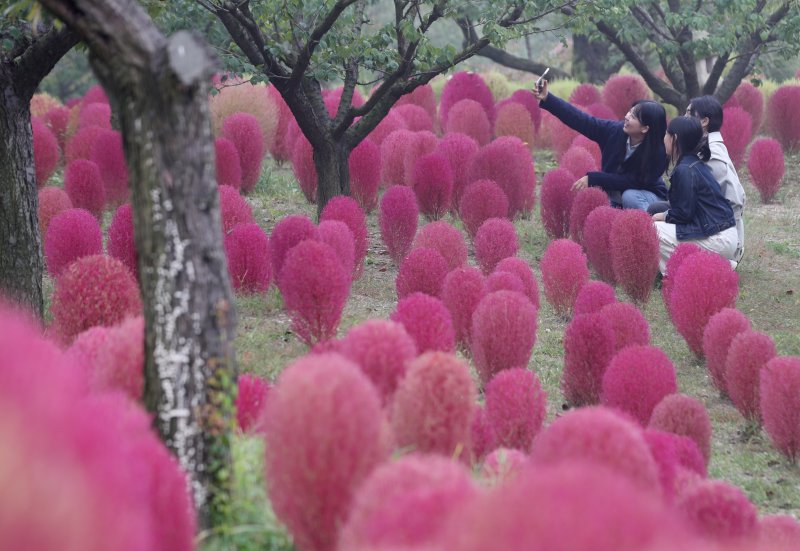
(540, 79)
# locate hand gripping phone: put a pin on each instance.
(540, 79)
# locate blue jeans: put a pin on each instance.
(633, 199)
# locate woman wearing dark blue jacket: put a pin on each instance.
(633, 156)
(698, 210)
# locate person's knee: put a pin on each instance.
(633, 199)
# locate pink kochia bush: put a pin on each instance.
(684, 416)
(495, 240)
(52, 200)
(393, 154)
(423, 143)
(466, 85)
(446, 240)
(593, 296)
(503, 333)
(95, 114)
(84, 185)
(482, 200)
(634, 253)
(749, 352)
(433, 406)
(469, 117)
(398, 218)
(428, 322)
(288, 232)
(244, 131)
(79, 145)
(323, 428)
(737, 130)
(636, 380)
(780, 403)
(280, 149)
(629, 324)
(422, 96)
(523, 271)
(121, 244)
(391, 123)
(516, 407)
(119, 364)
(621, 91)
(247, 251)
(107, 153)
(751, 100)
(704, 285)
(234, 209)
(462, 290)
(585, 94)
(564, 272)
(578, 161)
(72, 234)
(507, 162)
(779, 530)
(93, 290)
(589, 344)
(365, 174)
(338, 237)
(584, 203)
(45, 151)
(432, 183)
(228, 165)
(345, 209)
(459, 150)
(720, 512)
(302, 157)
(251, 396)
(556, 202)
(415, 116)
(504, 281)
(513, 119)
(503, 464)
(423, 271)
(315, 287)
(766, 166)
(720, 331)
(783, 117)
(680, 254)
(482, 438)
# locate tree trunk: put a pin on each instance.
(331, 160)
(592, 60)
(21, 264)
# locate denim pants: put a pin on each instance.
(633, 199)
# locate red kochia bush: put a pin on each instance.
(432, 182)
(45, 151)
(585, 94)
(480, 201)
(564, 272)
(302, 158)
(578, 161)
(704, 285)
(72, 234)
(678, 256)
(720, 331)
(783, 116)
(346, 210)
(629, 324)
(516, 407)
(634, 253)
(365, 174)
(107, 153)
(507, 161)
(556, 202)
(313, 297)
(323, 429)
(523, 271)
(780, 531)
(503, 333)
(468, 117)
(737, 130)
(513, 119)
(280, 149)
(504, 281)
(751, 100)
(381, 349)
(481, 435)
(415, 116)
(621, 91)
(589, 344)
(433, 406)
(393, 154)
(119, 364)
(462, 290)
(428, 322)
(121, 244)
(95, 114)
(251, 396)
(586, 200)
(495, 240)
(593, 296)
(233, 208)
(684, 416)
(79, 146)
(392, 122)
(338, 237)
(446, 240)
(766, 166)
(247, 251)
(423, 271)
(57, 119)
(637, 379)
(52, 200)
(780, 403)
(465, 85)
(719, 511)
(93, 290)
(749, 352)
(423, 143)
(423, 96)
(84, 185)
(459, 150)
(398, 218)
(228, 165)
(503, 464)
(245, 132)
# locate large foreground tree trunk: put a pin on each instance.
(331, 160)
(161, 86)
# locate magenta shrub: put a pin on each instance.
(398, 218)
(121, 244)
(323, 428)
(107, 153)
(392, 122)
(529, 101)
(72, 234)
(592, 296)
(314, 298)
(629, 324)
(737, 131)
(446, 240)
(84, 185)
(465, 85)
(748, 354)
(559, 134)
(635, 253)
(459, 150)
(779, 391)
(564, 272)
(720, 331)
(423, 143)
(428, 322)
(751, 100)
(481, 200)
(504, 281)
(578, 162)
(52, 200)
(302, 158)
(234, 209)
(599, 224)
(508, 162)
(481, 435)
(621, 91)
(433, 406)
(416, 117)
(673, 263)
(586, 200)
(780, 531)
(247, 250)
(422, 271)
(523, 271)
(346, 210)
(57, 119)
(95, 114)
(338, 237)
(251, 396)
(601, 111)
(685, 416)
(365, 174)
(281, 148)
(503, 333)
(462, 290)
(469, 117)
(45, 151)
(503, 464)
(589, 344)
(662, 447)
(393, 154)
(228, 165)
(495, 240)
(432, 183)
(119, 363)
(423, 96)
(766, 166)
(94, 94)
(79, 145)
(245, 132)
(590, 146)
(719, 511)
(556, 202)
(585, 94)
(516, 407)
(783, 117)
(513, 119)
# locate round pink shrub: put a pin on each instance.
(398, 218)
(504, 281)
(503, 333)
(405, 503)
(416, 117)
(302, 159)
(589, 344)
(593, 296)
(719, 511)
(393, 154)
(247, 251)
(635, 253)
(234, 209)
(121, 244)
(495, 240)
(748, 354)
(95, 114)
(578, 161)
(251, 396)
(109, 156)
(559, 134)
(423, 96)
(288, 232)
(45, 151)
(462, 290)
(689, 455)
(737, 131)
(629, 324)
(52, 201)
(779, 531)
(57, 119)
(345, 209)
(432, 183)
(766, 166)
(673, 263)
(586, 200)
(422, 144)
(636, 380)
(433, 406)
(503, 464)
(783, 117)
(720, 331)
(482, 200)
(84, 185)
(556, 202)
(482, 438)
(465, 85)
(119, 363)
(93, 290)
(516, 407)
(564, 272)
(338, 237)
(585, 94)
(95, 94)
(72, 234)
(704, 285)
(621, 91)
(428, 322)
(779, 390)
(365, 174)
(79, 146)
(244, 131)
(314, 298)
(513, 119)
(751, 100)
(523, 271)
(382, 349)
(323, 428)
(392, 122)
(446, 240)
(599, 224)
(529, 101)
(685, 416)
(662, 447)
(228, 165)
(459, 150)
(508, 162)
(281, 147)
(422, 271)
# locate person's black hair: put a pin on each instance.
(651, 114)
(707, 106)
(688, 138)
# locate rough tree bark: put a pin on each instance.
(161, 86)
(21, 70)
(592, 60)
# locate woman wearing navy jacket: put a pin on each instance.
(633, 156)
(698, 210)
